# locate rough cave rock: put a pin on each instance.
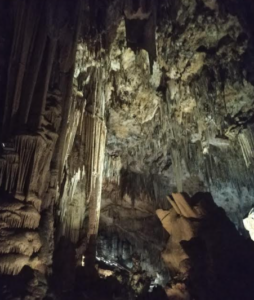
(126, 149)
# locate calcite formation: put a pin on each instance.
(108, 107)
(203, 242)
(249, 224)
(34, 105)
(182, 222)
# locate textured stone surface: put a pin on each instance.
(249, 224)
(202, 246)
(190, 120)
(172, 84)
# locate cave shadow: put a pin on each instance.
(222, 261)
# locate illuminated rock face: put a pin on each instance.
(202, 246)
(35, 107)
(190, 120)
(183, 222)
(249, 224)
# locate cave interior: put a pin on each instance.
(126, 149)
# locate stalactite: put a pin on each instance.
(39, 103)
(25, 146)
(8, 171)
(31, 159)
(66, 83)
(73, 208)
(246, 141)
(40, 168)
(37, 106)
(25, 243)
(95, 201)
(31, 75)
(19, 215)
(12, 264)
(95, 171)
(25, 15)
(72, 130)
(177, 165)
(112, 168)
(30, 156)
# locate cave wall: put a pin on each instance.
(205, 70)
(52, 139)
(38, 49)
(164, 89)
(189, 121)
(205, 252)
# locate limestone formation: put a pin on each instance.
(197, 227)
(249, 224)
(106, 108)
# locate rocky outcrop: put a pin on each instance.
(184, 117)
(38, 79)
(203, 246)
